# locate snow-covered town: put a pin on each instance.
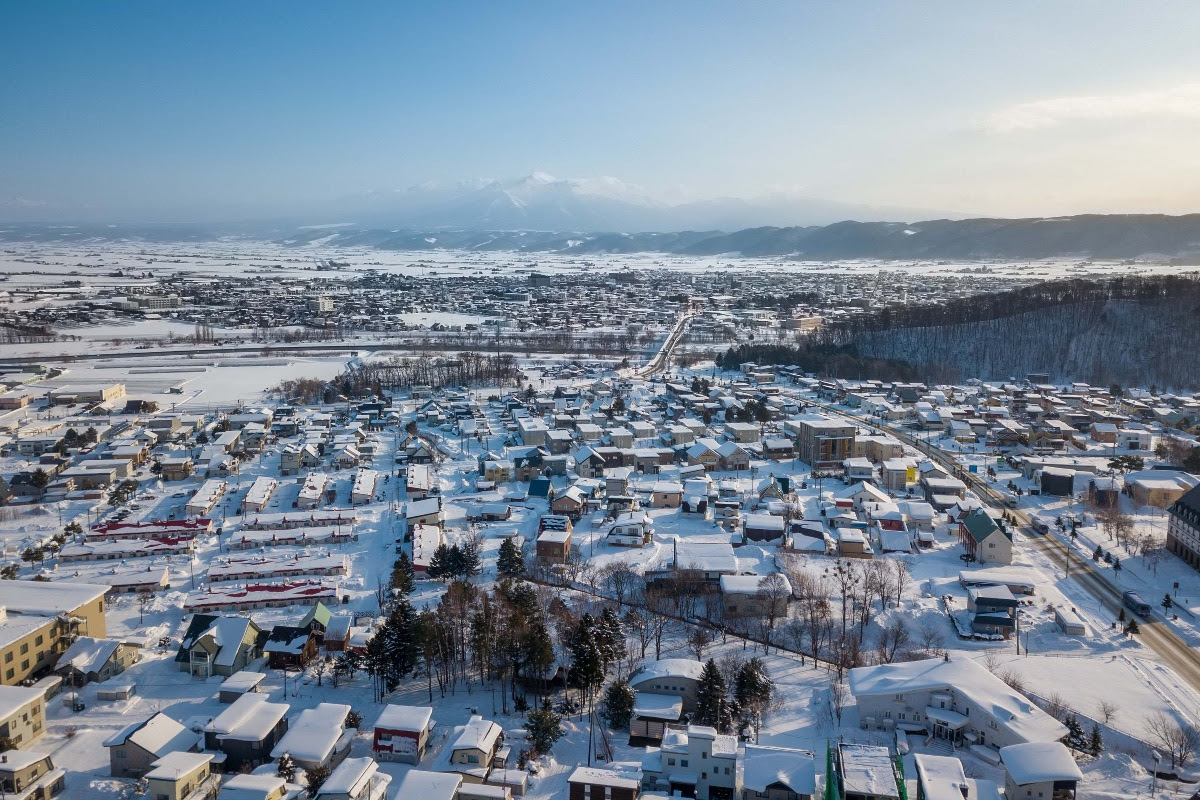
(601, 576)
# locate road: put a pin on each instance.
(1155, 633)
(660, 359)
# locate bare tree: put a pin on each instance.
(839, 692)
(893, 638)
(933, 640)
(1178, 739)
(698, 641)
(1056, 706)
(901, 578)
(772, 596)
(620, 581)
(1106, 710)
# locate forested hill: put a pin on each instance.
(1130, 331)
(1113, 236)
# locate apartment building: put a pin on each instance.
(38, 620)
(1183, 528)
(822, 442)
(22, 714)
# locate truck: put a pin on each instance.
(1136, 604)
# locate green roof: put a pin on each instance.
(980, 525)
(320, 614)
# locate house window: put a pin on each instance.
(24, 648)
(670, 762)
(683, 762)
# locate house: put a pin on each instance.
(652, 714)
(983, 538)
(475, 749)
(630, 529)
(27, 775)
(38, 620)
(777, 773)
(764, 528)
(705, 453)
(90, 660)
(182, 776)
(247, 731)
(424, 512)
(1183, 528)
(553, 546)
(22, 714)
(214, 645)
(402, 733)
(744, 596)
(593, 783)
(290, 648)
(943, 778)
(993, 610)
(355, 779)
(317, 737)
(133, 750)
(1042, 770)
(822, 442)
(1158, 488)
(866, 772)
(176, 468)
(425, 785)
(666, 494)
(696, 762)
(426, 539)
(260, 787)
(337, 632)
(571, 502)
(239, 684)
(677, 677)
(954, 699)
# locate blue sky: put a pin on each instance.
(213, 110)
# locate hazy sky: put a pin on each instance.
(213, 110)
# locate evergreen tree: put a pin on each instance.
(1097, 554)
(1132, 628)
(544, 728)
(1116, 563)
(618, 704)
(469, 561)
(403, 575)
(610, 637)
(315, 778)
(587, 662)
(399, 644)
(712, 704)
(1095, 744)
(440, 564)
(1167, 602)
(752, 690)
(510, 564)
(286, 768)
(1075, 738)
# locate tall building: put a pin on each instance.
(823, 442)
(38, 621)
(1183, 527)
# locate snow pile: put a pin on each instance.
(1113, 765)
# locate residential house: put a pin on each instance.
(1039, 771)
(993, 610)
(677, 677)
(943, 778)
(355, 779)
(984, 538)
(745, 596)
(697, 762)
(90, 660)
(777, 773)
(261, 787)
(39, 620)
(553, 546)
(26, 775)
(866, 772)
(215, 645)
(426, 785)
(474, 750)
(247, 731)
(290, 648)
(594, 783)
(182, 776)
(133, 750)
(317, 737)
(822, 442)
(402, 733)
(22, 714)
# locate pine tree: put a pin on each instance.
(1098, 554)
(712, 705)
(440, 563)
(315, 777)
(1132, 628)
(1075, 738)
(544, 728)
(587, 662)
(610, 637)
(510, 563)
(403, 575)
(286, 768)
(1167, 601)
(399, 644)
(1116, 564)
(469, 559)
(618, 704)
(752, 689)
(1095, 745)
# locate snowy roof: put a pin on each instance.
(250, 718)
(242, 681)
(765, 766)
(748, 584)
(228, 634)
(478, 734)
(766, 522)
(314, 733)
(404, 718)
(941, 777)
(602, 777)
(867, 770)
(430, 785)
(87, 654)
(177, 765)
(1038, 762)
(658, 706)
(252, 787)
(351, 776)
(157, 735)
(670, 668)
(1013, 711)
(47, 599)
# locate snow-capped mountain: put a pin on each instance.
(543, 202)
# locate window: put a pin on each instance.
(8, 657)
(25, 665)
(670, 762)
(24, 648)
(8, 673)
(683, 762)
(38, 640)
